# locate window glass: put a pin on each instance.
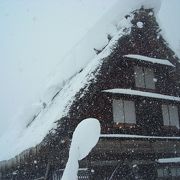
(178, 171)
(160, 172)
(144, 77)
(118, 114)
(174, 118)
(129, 109)
(173, 172)
(165, 114)
(149, 78)
(167, 172)
(124, 111)
(139, 77)
(170, 115)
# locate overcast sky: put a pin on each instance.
(35, 34)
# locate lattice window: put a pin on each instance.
(144, 77)
(124, 111)
(170, 115)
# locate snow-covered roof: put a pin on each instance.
(169, 160)
(141, 93)
(136, 136)
(148, 59)
(20, 137)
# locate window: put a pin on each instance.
(178, 171)
(168, 172)
(124, 111)
(160, 172)
(144, 77)
(170, 115)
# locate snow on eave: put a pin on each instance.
(169, 160)
(137, 136)
(143, 94)
(149, 59)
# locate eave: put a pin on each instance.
(132, 92)
(136, 57)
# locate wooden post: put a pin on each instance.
(47, 170)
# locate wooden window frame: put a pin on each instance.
(124, 123)
(169, 117)
(144, 77)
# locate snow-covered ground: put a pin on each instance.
(39, 58)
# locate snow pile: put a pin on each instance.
(142, 93)
(85, 137)
(72, 74)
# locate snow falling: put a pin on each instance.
(115, 65)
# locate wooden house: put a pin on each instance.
(133, 90)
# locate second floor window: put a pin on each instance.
(170, 115)
(144, 77)
(124, 111)
(168, 172)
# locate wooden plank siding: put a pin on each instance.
(141, 146)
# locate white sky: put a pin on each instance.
(36, 34)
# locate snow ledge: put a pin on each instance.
(149, 59)
(169, 160)
(143, 94)
(136, 136)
